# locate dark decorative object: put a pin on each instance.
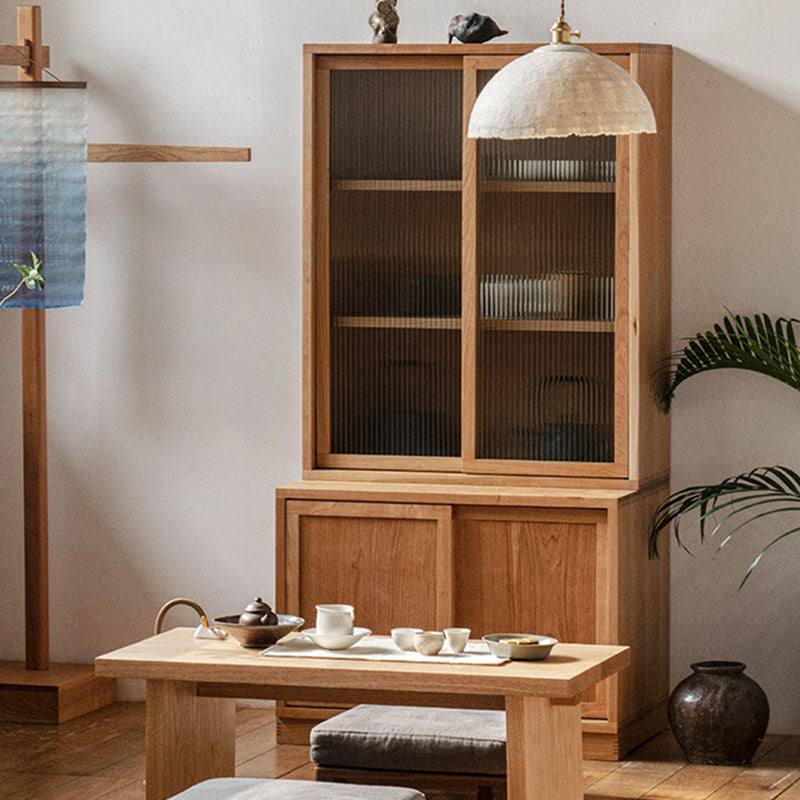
(384, 21)
(718, 714)
(258, 613)
(473, 29)
(258, 635)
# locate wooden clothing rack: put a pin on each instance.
(38, 690)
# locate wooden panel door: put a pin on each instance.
(520, 570)
(392, 562)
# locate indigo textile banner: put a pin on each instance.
(43, 132)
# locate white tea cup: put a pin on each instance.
(428, 643)
(404, 637)
(335, 618)
(456, 639)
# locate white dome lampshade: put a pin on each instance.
(560, 89)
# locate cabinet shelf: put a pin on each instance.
(544, 187)
(422, 323)
(550, 187)
(549, 325)
(454, 323)
(396, 186)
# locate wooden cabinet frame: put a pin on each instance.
(628, 599)
(641, 324)
(472, 504)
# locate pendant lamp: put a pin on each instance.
(560, 89)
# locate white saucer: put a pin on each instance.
(336, 641)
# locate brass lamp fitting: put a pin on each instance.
(562, 33)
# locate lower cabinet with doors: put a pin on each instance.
(558, 561)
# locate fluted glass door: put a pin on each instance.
(546, 266)
(394, 282)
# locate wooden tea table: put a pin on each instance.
(192, 685)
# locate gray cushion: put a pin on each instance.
(411, 738)
(262, 789)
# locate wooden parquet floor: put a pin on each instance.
(101, 755)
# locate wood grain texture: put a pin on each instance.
(29, 35)
(16, 55)
(182, 729)
(387, 53)
(548, 562)
(556, 730)
(190, 738)
(176, 153)
(568, 563)
(342, 551)
(55, 695)
(651, 165)
(34, 419)
(176, 656)
(105, 758)
(34, 433)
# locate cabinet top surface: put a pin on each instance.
(176, 655)
(457, 49)
(452, 493)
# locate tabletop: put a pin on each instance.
(177, 656)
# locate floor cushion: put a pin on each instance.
(413, 738)
(263, 789)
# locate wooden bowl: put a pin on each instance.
(258, 635)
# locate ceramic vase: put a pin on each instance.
(718, 714)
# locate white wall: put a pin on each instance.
(174, 393)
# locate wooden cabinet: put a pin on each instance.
(479, 306)
(569, 563)
(482, 322)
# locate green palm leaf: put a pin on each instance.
(757, 344)
(745, 498)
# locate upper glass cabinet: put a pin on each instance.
(473, 306)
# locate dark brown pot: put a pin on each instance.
(719, 715)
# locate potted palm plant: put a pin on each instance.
(759, 345)
(719, 715)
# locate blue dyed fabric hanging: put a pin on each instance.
(43, 133)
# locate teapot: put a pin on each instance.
(258, 613)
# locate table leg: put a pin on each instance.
(188, 738)
(543, 749)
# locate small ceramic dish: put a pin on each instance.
(336, 641)
(260, 636)
(501, 645)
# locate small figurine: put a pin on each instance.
(473, 28)
(384, 21)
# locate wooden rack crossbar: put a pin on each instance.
(19, 55)
(157, 152)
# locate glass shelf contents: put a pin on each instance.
(564, 295)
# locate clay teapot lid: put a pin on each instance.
(258, 606)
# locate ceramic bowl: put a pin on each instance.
(520, 651)
(258, 635)
(336, 641)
